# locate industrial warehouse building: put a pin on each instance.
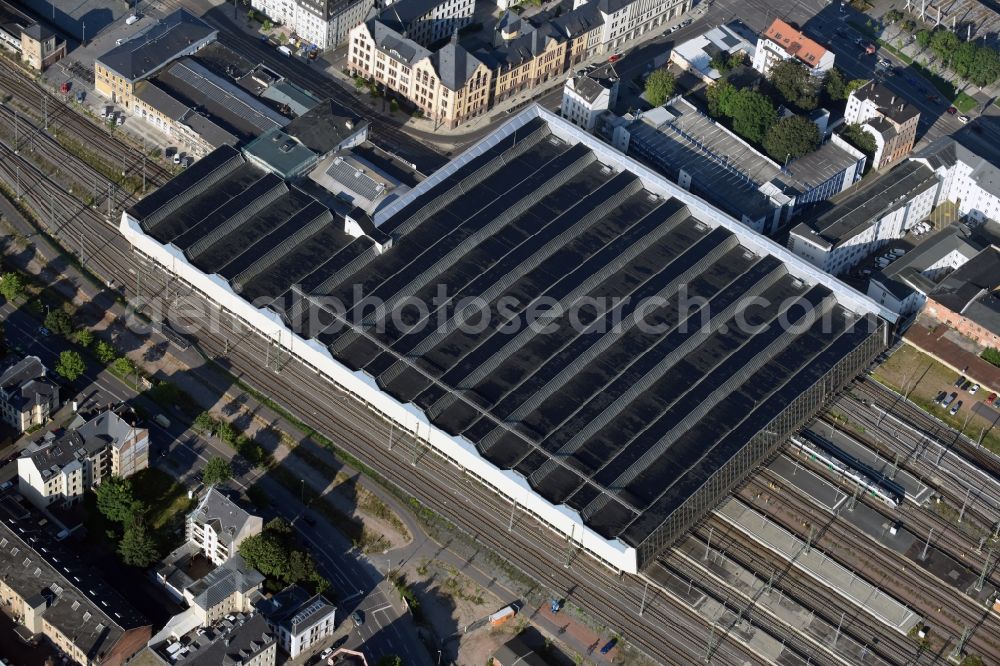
(620, 437)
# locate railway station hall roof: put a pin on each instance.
(620, 364)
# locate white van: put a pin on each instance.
(131, 19)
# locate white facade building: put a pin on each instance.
(781, 42)
(218, 526)
(63, 468)
(968, 163)
(588, 94)
(428, 21)
(325, 23)
(627, 19)
(868, 220)
(300, 620)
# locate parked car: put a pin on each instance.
(972, 391)
(940, 396)
(952, 110)
(80, 96)
(966, 385)
(177, 157)
(947, 401)
(44, 332)
(963, 119)
(357, 618)
(992, 397)
(615, 57)
(609, 646)
(131, 19)
(960, 381)
(326, 653)
(954, 410)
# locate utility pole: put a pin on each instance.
(839, 627)
(510, 524)
(961, 514)
(854, 497)
(708, 545)
(642, 606)
(895, 467)
(960, 646)
(982, 574)
(45, 111)
(923, 555)
(17, 169)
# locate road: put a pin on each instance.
(181, 452)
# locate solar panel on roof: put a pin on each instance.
(355, 180)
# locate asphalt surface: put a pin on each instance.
(181, 452)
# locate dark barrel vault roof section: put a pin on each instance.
(650, 376)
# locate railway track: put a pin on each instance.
(884, 568)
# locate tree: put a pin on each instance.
(791, 137)
(265, 553)
(389, 660)
(720, 96)
(83, 337)
(104, 352)
(892, 16)
(794, 83)
(11, 286)
(944, 43)
(985, 67)
(752, 114)
(59, 322)
(279, 526)
(70, 365)
(853, 85)
(266, 26)
(963, 58)
(923, 38)
(205, 423)
(137, 547)
(737, 59)
(719, 63)
(216, 471)
(659, 87)
(116, 500)
(835, 85)
(122, 366)
(860, 139)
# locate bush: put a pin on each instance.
(991, 355)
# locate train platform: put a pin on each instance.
(815, 563)
(880, 529)
(768, 597)
(916, 490)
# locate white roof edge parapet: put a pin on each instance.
(508, 483)
(848, 296)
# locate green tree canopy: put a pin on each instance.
(83, 337)
(860, 139)
(123, 366)
(659, 87)
(985, 67)
(923, 38)
(59, 322)
(70, 365)
(11, 286)
(217, 470)
(266, 553)
(116, 501)
(275, 554)
(791, 137)
(137, 547)
(750, 113)
(104, 352)
(794, 83)
(835, 85)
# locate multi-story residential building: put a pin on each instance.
(968, 299)
(588, 94)
(27, 398)
(887, 117)
(48, 592)
(325, 23)
(217, 526)
(428, 21)
(300, 619)
(867, 220)
(117, 72)
(968, 164)
(242, 639)
(904, 284)
(453, 85)
(62, 468)
(781, 42)
(707, 159)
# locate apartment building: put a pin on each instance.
(325, 23)
(588, 94)
(48, 592)
(176, 35)
(867, 220)
(968, 164)
(428, 21)
(218, 526)
(241, 639)
(781, 42)
(61, 468)
(301, 620)
(887, 117)
(452, 85)
(968, 300)
(27, 397)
